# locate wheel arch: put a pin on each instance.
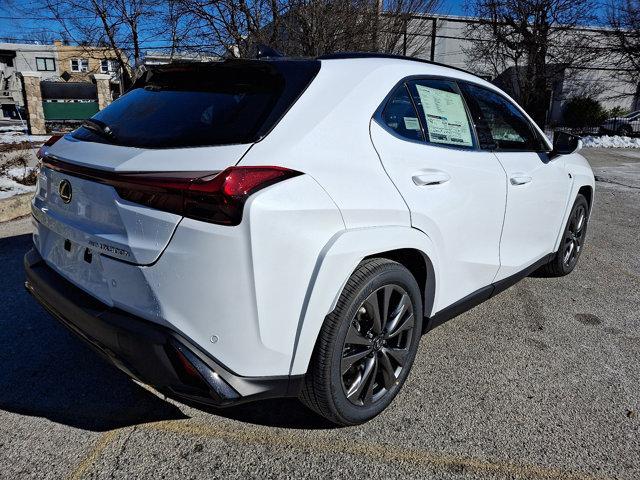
(340, 258)
(587, 192)
(582, 182)
(420, 266)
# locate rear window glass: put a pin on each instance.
(201, 105)
(400, 115)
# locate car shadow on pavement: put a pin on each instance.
(46, 371)
(278, 412)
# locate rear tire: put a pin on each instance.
(367, 345)
(572, 243)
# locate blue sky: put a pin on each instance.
(22, 27)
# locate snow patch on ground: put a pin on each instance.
(9, 187)
(607, 141)
(19, 172)
(13, 177)
(19, 137)
(14, 128)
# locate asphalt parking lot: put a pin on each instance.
(541, 382)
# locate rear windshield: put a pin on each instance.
(202, 104)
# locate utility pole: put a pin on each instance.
(404, 39)
(433, 38)
(376, 25)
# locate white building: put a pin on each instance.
(20, 57)
(452, 44)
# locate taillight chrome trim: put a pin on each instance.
(112, 178)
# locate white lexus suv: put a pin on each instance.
(266, 228)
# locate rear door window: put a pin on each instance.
(443, 112)
(202, 105)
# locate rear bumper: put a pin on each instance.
(148, 352)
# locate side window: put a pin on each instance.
(499, 123)
(400, 115)
(442, 111)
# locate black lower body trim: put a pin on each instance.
(476, 298)
(148, 352)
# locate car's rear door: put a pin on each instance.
(455, 192)
(538, 186)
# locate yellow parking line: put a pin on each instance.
(375, 452)
(103, 442)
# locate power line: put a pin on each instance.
(7, 17)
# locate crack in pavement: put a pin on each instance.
(606, 180)
(383, 453)
(116, 461)
(103, 442)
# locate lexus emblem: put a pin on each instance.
(64, 190)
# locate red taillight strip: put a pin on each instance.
(214, 197)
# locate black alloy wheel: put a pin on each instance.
(377, 345)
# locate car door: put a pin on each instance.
(538, 186)
(455, 192)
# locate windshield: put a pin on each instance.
(201, 105)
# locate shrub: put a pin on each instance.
(583, 112)
(617, 112)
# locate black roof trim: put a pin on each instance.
(345, 55)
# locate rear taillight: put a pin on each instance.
(221, 198)
(217, 197)
(52, 139)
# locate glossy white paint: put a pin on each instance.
(336, 263)
(97, 218)
(264, 287)
(244, 284)
(470, 198)
(582, 176)
(537, 198)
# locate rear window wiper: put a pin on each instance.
(98, 127)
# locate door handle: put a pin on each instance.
(520, 179)
(435, 177)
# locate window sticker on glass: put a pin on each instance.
(447, 120)
(411, 123)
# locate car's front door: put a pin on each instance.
(456, 193)
(538, 186)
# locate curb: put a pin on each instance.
(15, 207)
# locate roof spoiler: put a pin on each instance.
(265, 51)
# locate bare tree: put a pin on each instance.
(404, 26)
(305, 27)
(624, 41)
(226, 25)
(178, 26)
(122, 26)
(541, 39)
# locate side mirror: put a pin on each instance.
(565, 143)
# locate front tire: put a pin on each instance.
(367, 345)
(572, 243)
